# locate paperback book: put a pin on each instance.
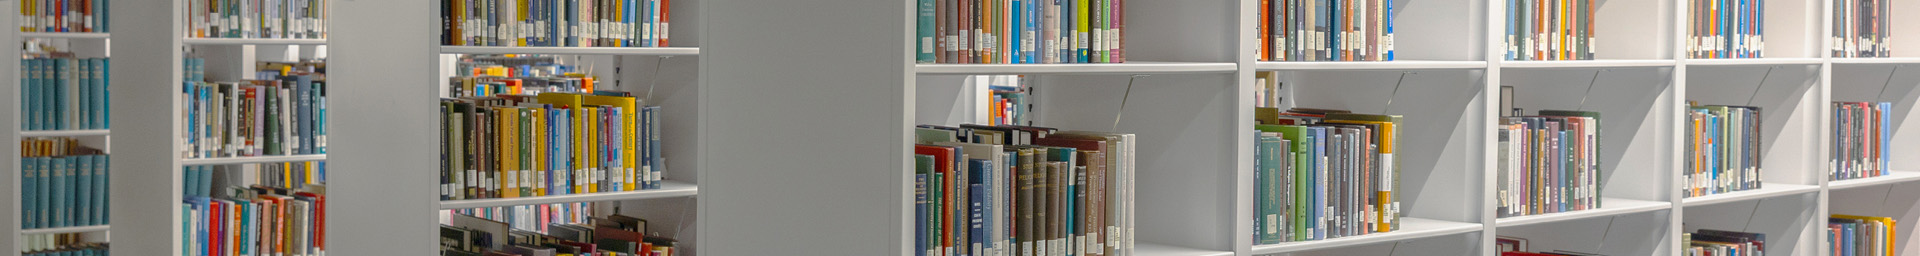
(1723, 150)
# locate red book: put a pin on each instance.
(943, 164)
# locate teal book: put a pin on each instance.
(62, 206)
(83, 76)
(62, 83)
(106, 93)
(26, 94)
(1266, 222)
(45, 197)
(29, 194)
(36, 109)
(924, 32)
(83, 213)
(101, 189)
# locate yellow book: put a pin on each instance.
(520, 22)
(26, 10)
(629, 113)
(507, 151)
(539, 156)
(592, 143)
(1888, 222)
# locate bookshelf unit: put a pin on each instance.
(83, 45)
(395, 148)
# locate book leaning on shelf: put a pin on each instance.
(1022, 190)
(1722, 29)
(1862, 140)
(66, 245)
(1723, 150)
(582, 23)
(1849, 235)
(63, 184)
(1020, 31)
(1322, 30)
(68, 16)
(59, 92)
(296, 19)
(281, 111)
(486, 232)
(1549, 163)
(1323, 174)
(1708, 242)
(1550, 29)
(281, 212)
(1861, 28)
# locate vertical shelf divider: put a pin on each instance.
(384, 156)
(146, 190)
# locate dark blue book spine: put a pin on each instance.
(920, 214)
(975, 232)
(659, 162)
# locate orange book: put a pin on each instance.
(1266, 21)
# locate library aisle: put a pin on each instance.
(962, 127)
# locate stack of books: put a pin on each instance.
(1723, 150)
(1707, 242)
(1849, 235)
(468, 235)
(1861, 28)
(69, 16)
(1022, 190)
(1722, 29)
(63, 184)
(494, 75)
(65, 245)
(282, 111)
(581, 23)
(1310, 30)
(1550, 29)
(1324, 174)
(1549, 163)
(298, 19)
(1021, 31)
(1862, 140)
(64, 93)
(553, 143)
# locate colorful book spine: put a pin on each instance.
(1861, 141)
(278, 19)
(280, 111)
(1723, 150)
(554, 23)
(1721, 29)
(1060, 193)
(1861, 29)
(519, 145)
(1019, 31)
(1324, 174)
(1549, 163)
(63, 16)
(1551, 29)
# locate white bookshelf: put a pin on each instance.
(386, 99)
(83, 45)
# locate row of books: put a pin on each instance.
(1022, 190)
(1322, 30)
(467, 235)
(64, 93)
(1517, 246)
(61, 245)
(1009, 103)
(1849, 235)
(1721, 29)
(1324, 174)
(1862, 140)
(582, 23)
(1707, 242)
(1549, 163)
(534, 218)
(278, 112)
(200, 180)
(72, 16)
(255, 220)
(549, 144)
(301, 19)
(1861, 28)
(63, 184)
(1268, 95)
(1723, 150)
(1550, 29)
(1021, 31)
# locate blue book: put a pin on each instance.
(84, 74)
(984, 192)
(653, 132)
(63, 71)
(106, 93)
(1015, 20)
(920, 214)
(1389, 27)
(29, 194)
(31, 91)
(43, 166)
(1320, 218)
(1064, 21)
(975, 229)
(62, 193)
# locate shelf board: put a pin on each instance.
(640, 51)
(1541, 64)
(1410, 228)
(1610, 206)
(253, 159)
(1766, 190)
(65, 35)
(1753, 61)
(251, 41)
(1880, 61)
(65, 230)
(667, 190)
(1368, 65)
(1890, 178)
(1134, 67)
(62, 133)
(1150, 249)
